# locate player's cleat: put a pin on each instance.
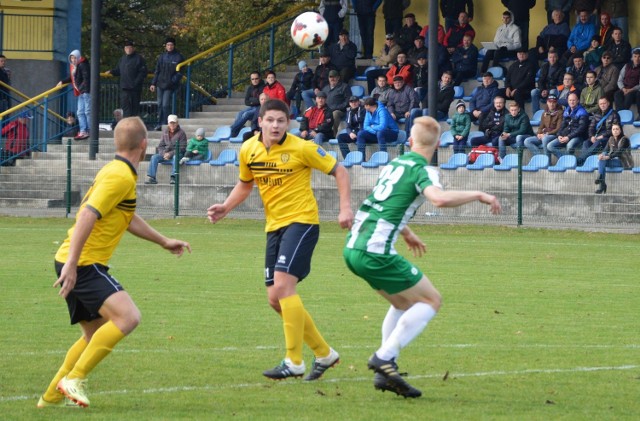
(380, 383)
(285, 370)
(320, 365)
(62, 403)
(75, 390)
(394, 381)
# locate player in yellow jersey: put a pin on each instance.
(96, 300)
(281, 165)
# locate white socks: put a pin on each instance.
(408, 325)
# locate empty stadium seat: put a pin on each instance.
(626, 116)
(468, 97)
(508, 162)
(635, 141)
(537, 162)
(446, 139)
(352, 158)
(455, 161)
(497, 72)
(484, 161)
(458, 92)
(566, 162)
(402, 137)
(238, 139)
(537, 116)
(357, 90)
(377, 159)
(221, 133)
(363, 76)
(198, 161)
(333, 154)
(590, 164)
(227, 156)
(636, 170)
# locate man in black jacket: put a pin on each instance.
(132, 69)
(166, 79)
(252, 101)
(520, 79)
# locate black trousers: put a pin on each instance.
(130, 102)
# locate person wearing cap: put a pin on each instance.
(421, 77)
(302, 81)
(333, 12)
(517, 127)
(619, 48)
(16, 144)
(465, 61)
(343, 55)
(317, 121)
(574, 129)
(252, 102)
(402, 100)
(629, 84)
(320, 78)
(451, 9)
(378, 127)
(607, 74)
(338, 94)
(80, 79)
(409, 32)
(460, 127)
(482, 96)
(507, 39)
(401, 67)
(174, 140)
(453, 37)
(166, 79)
(418, 48)
(132, 70)
(355, 121)
(550, 123)
(520, 79)
(366, 13)
(551, 73)
(197, 148)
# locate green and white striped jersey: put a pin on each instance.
(392, 203)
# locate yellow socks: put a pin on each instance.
(293, 318)
(101, 344)
(313, 338)
(73, 354)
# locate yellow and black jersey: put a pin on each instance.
(283, 176)
(112, 197)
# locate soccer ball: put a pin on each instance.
(309, 30)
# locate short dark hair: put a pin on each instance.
(370, 101)
(269, 72)
(274, 104)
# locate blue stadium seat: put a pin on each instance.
(446, 139)
(474, 134)
(537, 162)
(636, 170)
(227, 156)
(221, 133)
(508, 162)
(352, 158)
(468, 97)
(497, 72)
(566, 162)
(333, 154)
(357, 90)
(537, 116)
(626, 116)
(402, 137)
(238, 139)
(635, 141)
(377, 159)
(335, 141)
(198, 161)
(363, 76)
(590, 164)
(458, 92)
(484, 161)
(455, 161)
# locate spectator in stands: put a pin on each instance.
(551, 73)
(517, 127)
(409, 32)
(401, 68)
(402, 99)
(355, 122)
(174, 140)
(388, 56)
(591, 93)
(491, 124)
(317, 122)
(619, 48)
(451, 10)
(320, 78)
(197, 148)
(507, 40)
(255, 126)
(80, 79)
(379, 127)
(550, 123)
(440, 34)
(382, 90)
(460, 127)
(302, 81)
(565, 89)
(16, 144)
(273, 88)
(338, 94)
(118, 114)
(593, 54)
(418, 49)
(392, 10)
(444, 98)
(132, 70)
(629, 84)
(574, 130)
(482, 97)
(366, 12)
(5, 77)
(343, 56)
(554, 36)
(617, 153)
(421, 77)
(454, 35)
(580, 36)
(72, 124)
(465, 61)
(618, 10)
(588, 5)
(252, 102)
(166, 80)
(563, 5)
(607, 75)
(520, 9)
(604, 29)
(599, 129)
(579, 71)
(333, 12)
(520, 79)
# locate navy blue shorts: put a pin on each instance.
(93, 286)
(289, 250)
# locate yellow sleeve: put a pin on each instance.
(316, 157)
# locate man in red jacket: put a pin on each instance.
(317, 123)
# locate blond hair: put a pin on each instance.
(425, 132)
(129, 134)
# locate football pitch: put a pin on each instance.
(535, 325)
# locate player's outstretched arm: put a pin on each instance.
(415, 244)
(140, 228)
(345, 217)
(453, 198)
(238, 195)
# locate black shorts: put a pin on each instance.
(289, 250)
(93, 286)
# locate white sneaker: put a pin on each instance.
(285, 369)
(320, 365)
(183, 160)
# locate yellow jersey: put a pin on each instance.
(283, 176)
(112, 197)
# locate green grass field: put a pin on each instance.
(535, 325)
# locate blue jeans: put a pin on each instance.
(535, 100)
(153, 165)
(84, 112)
(558, 148)
(318, 139)
(165, 105)
(383, 137)
(537, 146)
(308, 96)
(502, 144)
(605, 163)
(589, 149)
(241, 118)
